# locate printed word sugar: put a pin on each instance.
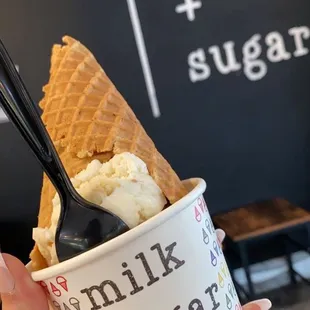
(253, 65)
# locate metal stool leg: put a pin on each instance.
(288, 257)
(292, 273)
(308, 235)
(245, 264)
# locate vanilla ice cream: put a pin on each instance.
(122, 185)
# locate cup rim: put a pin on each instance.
(93, 254)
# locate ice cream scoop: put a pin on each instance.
(82, 225)
(122, 185)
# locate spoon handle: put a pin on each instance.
(20, 109)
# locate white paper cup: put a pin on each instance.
(171, 262)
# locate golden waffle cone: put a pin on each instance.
(88, 119)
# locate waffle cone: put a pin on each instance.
(88, 119)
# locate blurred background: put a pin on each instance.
(222, 87)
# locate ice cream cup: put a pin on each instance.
(171, 262)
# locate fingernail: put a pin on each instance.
(220, 235)
(264, 304)
(7, 283)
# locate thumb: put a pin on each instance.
(18, 290)
(262, 304)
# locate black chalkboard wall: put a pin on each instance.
(231, 79)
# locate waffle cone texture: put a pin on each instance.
(87, 118)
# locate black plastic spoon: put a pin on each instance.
(82, 225)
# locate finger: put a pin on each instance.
(261, 304)
(18, 290)
(220, 233)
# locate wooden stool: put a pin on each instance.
(256, 220)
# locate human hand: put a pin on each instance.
(19, 291)
(261, 304)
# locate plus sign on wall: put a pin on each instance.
(189, 7)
